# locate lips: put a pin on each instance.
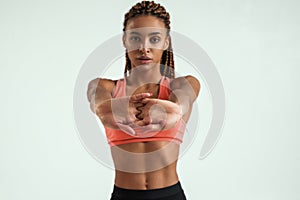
(144, 59)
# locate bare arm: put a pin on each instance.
(185, 90)
(164, 114)
(99, 96)
(116, 113)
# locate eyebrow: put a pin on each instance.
(153, 33)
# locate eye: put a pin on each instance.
(155, 39)
(135, 39)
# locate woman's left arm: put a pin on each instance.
(184, 91)
(161, 114)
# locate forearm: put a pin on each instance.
(106, 115)
(185, 90)
(103, 105)
(180, 97)
(98, 96)
(108, 120)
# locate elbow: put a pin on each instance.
(195, 85)
(92, 86)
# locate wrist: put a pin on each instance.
(183, 107)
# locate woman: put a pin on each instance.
(144, 113)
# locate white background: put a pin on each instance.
(255, 46)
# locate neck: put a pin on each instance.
(144, 74)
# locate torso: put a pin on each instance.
(165, 160)
(158, 178)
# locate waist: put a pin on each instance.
(137, 159)
(157, 193)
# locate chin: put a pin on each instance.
(144, 66)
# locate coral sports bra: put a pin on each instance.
(174, 134)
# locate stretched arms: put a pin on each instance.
(152, 114)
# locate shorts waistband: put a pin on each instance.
(149, 194)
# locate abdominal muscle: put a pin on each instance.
(145, 165)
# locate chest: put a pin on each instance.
(149, 87)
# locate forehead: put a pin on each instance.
(145, 23)
(146, 31)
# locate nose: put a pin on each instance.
(144, 47)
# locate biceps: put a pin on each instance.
(92, 86)
(98, 91)
(185, 88)
(98, 95)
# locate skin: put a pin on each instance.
(142, 91)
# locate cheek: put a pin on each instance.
(157, 54)
(132, 54)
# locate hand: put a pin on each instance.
(157, 115)
(121, 112)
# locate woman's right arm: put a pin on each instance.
(116, 113)
(99, 95)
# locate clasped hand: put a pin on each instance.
(140, 115)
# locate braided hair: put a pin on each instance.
(149, 8)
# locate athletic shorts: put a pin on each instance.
(173, 192)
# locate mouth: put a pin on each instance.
(144, 59)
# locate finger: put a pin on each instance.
(140, 108)
(150, 100)
(131, 118)
(139, 97)
(148, 130)
(138, 104)
(154, 111)
(147, 107)
(147, 120)
(152, 120)
(126, 128)
(158, 101)
(133, 110)
(139, 123)
(163, 123)
(168, 105)
(139, 116)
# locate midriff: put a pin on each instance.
(145, 165)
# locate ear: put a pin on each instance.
(167, 43)
(124, 40)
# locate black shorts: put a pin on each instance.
(173, 192)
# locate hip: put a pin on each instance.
(173, 192)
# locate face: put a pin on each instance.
(145, 39)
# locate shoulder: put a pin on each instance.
(185, 81)
(101, 86)
(103, 83)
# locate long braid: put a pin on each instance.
(149, 8)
